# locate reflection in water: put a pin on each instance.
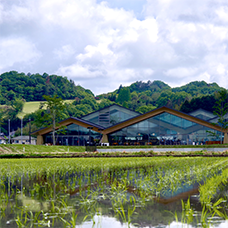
(181, 225)
(118, 197)
(104, 221)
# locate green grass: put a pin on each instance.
(30, 107)
(38, 149)
(54, 190)
(19, 150)
(165, 146)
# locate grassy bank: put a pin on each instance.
(32, 106)
(23, 151)
(38, 150)
(167, 146)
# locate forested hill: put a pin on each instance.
(154, 86)
(139, 96)
(198, 88)
(32, 87)
(144, 96)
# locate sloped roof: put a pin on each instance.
(67, 122)
(110, 115)
(129, 122)
(23, 137)
(156, 112)
(113, 105)
(204, 113)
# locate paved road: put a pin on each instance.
(162, 149)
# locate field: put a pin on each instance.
(126, 192)
(30, 107)
(29, 151)
(37, 150)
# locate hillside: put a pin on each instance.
(144, 96)
(198, 88)
(32, 87)
(32, 106)
(21, 96)
(139, 96)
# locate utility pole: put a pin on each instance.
(9, 129)
(29, 130)
(21, 128)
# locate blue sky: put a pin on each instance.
(136, 6)
(102, 44)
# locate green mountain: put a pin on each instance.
(154, 86)
(139, 96)
(32, 87)
(144, 96)
(198, 88)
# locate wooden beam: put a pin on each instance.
(66, 123)
(156, 112)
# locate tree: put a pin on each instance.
(124, 95)
(105, 103)
(13, 108)
(204, 102)
(90, 101)
(55, 107)
(145, 108)
(221, 109)
(1, 116)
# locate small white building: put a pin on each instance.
(23, 140)
(2, 140)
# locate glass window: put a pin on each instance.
(186, 123)
(110, 116)
(167, 129)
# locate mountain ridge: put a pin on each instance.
(139, 96)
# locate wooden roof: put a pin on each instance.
(129, 122)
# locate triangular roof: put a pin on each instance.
(156, 112)
(110, 115)
(113, 105)
(68, 121)
(201, 112)
(129, 122)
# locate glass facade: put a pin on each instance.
(162, 129)
(165, 129)
(110, 116)
(74, 135)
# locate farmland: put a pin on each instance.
(84, 192)
(32, 106)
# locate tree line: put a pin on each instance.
(145, 96)
(32, 87)
(16, 88)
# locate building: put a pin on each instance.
(116, 125)
(23, 140)
(2, 140)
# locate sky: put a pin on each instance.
(102, 44)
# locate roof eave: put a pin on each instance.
(156, 112)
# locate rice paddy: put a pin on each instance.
(123, 192)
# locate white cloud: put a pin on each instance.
(222, 13)
(102, 44)
(16, 50)
(180, 72)
(66, 51)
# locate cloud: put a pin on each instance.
(17, 50)
(102, 44)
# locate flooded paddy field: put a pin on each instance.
(114, 192)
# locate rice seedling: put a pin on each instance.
(67, 192)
